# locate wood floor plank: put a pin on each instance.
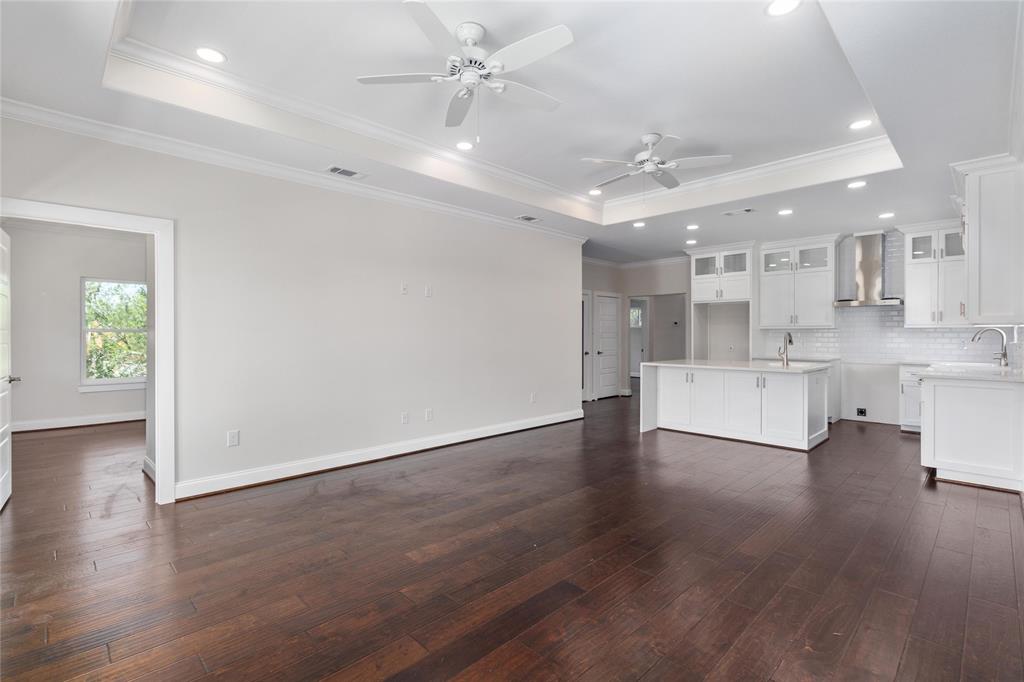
(992, 648)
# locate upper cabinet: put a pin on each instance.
(935, 275)
(721, 273)
(992, 192)
(797, 283)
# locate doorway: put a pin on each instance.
(158, 409)
(639, 333)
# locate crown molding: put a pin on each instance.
(136, 51)
(864, 157)
(599, 261)
(108, 132)
(674, 260)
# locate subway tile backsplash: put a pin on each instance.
(877, 334)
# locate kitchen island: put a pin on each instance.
(972, 424)
(758, 400)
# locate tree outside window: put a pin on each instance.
(636, 318)
(114, 335)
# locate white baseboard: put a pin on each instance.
(65, 422)
(274, 472)
(149, 468)
(5, 487)
(625, 392)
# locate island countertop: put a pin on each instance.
(795, 367)
(971, 372)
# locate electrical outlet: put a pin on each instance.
(233, 438)
(862, 411)
(428, 291)
(404, 288)
(428, 414)
(405, 417)
(533, 397)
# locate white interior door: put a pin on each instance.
(606, 343)
(5, 368)
(587, 334)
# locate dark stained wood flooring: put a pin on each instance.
(577, 551)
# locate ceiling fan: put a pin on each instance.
(647, 163)
(469, 66)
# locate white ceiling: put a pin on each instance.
(724, 76)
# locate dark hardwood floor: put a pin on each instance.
(573, 551)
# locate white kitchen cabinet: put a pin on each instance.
(674, 398)
(910, 398)
(754, 401)
(992, 191)
(972, 431)
(707, 387)
(797, 283)
(722, 274)
(935, 286)
(780, 394)
(743, 402)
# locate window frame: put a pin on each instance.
(86, 381)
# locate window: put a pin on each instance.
(636, 318)
(114, 336)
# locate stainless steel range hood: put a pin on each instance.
(869, 273)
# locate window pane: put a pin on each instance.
(115, 355)
(115, 305)
(776, 261)
(813, 258)
(953, 244)
(636, 318)
(705, 265)
(733, 263)
(921, 247)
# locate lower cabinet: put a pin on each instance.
(973, 431)
(782, 400)
(776, 408)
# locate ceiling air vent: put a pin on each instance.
(346, 173)
(528, 218)
(738, 211)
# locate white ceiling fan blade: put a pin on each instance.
(699, 161)
(528, 50)
(616, 179)
(592, 160)
(399, 78)
(526, 96)
(458, 107)
(665, 179)
(440, 37)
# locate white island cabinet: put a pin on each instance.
(758, 401)
(972, 425)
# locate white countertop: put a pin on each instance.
(971, 372)
(795, 367)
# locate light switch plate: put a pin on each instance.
(233, 437)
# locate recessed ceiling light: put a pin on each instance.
(777, 8)
(691, 242)
(594, 192)
(786, 211)
(693, 227)
(208, 54)
(887, 214)
(861, 124)
(857, 184)
(464, 146)
(639, 224)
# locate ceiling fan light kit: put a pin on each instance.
(469, 66)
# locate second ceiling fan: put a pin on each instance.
(470, 66)
(646, 162)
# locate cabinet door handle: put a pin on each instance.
(933, 254)
(942, 252)
(940, 316)
(757, 382)
(933, 316)
(901, 389)
(963, 309)
(764, 382)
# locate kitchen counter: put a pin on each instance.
(755, 400)
(971, 372)
(795, 366)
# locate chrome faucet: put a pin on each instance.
(1001, 355)
(787, 341)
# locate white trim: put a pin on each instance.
(65, 422)
(266, 474)
(626, 392)
(929, 226)
(149, 469)
(162, 307)
(134, 50)
(152, 142)
(5, 488)
(1017, 91)
(121, 386)
(672, 260)
(864, 157)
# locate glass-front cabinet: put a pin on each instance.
(705, 266)
(735, 263)
(777, 261)
(814, 258)
(797, 283)
(721, 275)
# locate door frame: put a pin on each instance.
(618, 342)
(162, 382)
(645, 332)
(587, 346)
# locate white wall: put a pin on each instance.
(290, 324)
(47, 266)
(668, 327)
